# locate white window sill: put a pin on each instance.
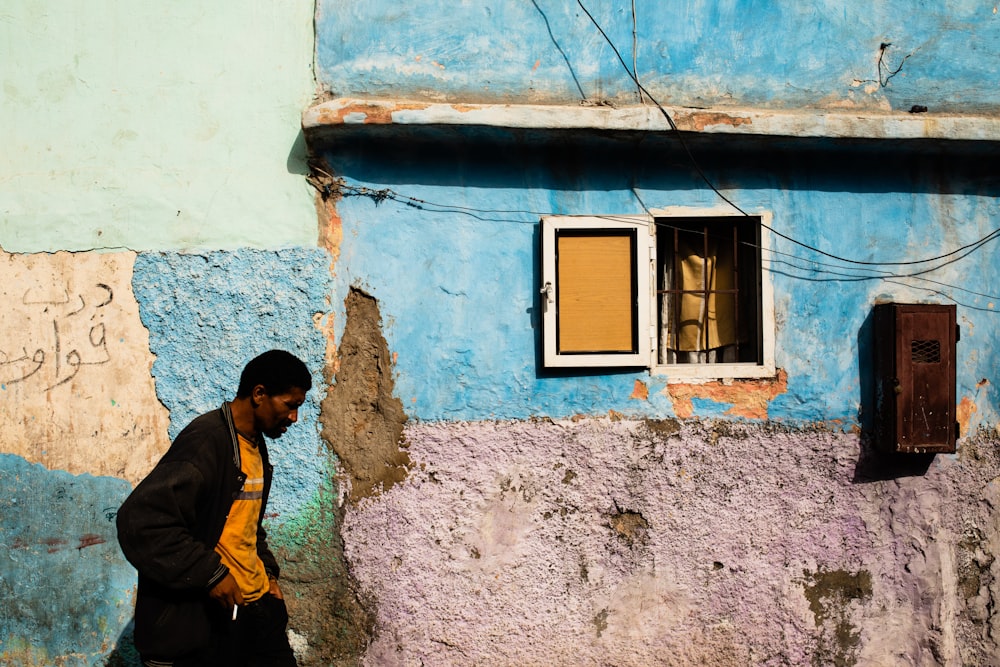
(713, 372)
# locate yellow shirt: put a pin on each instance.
(238, 544)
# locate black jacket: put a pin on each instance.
(168, 528)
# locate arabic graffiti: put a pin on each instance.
(67, 333)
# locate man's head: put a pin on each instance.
(277, 370)
(275, 385)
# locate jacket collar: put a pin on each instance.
(227, 414)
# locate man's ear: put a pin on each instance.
(258, 393)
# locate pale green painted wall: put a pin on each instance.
(154, 126)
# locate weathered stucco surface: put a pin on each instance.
(362, 427)
(444, 499)
(75, 369)
(363, 419)
(209, 313)
(606, 541)
(821, 54)
(721, 522)
(449, 247)
(65, 586)
(80, 368)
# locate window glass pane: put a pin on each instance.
(708, 290)
(706, 317)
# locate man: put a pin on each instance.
(208, 584)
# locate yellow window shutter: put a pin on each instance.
(595, 293)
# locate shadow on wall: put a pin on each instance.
(124, 653)
(593, 160)
(874, 465)
(298, 154)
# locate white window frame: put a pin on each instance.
(643, 259)
(766, 368)
(646, 263)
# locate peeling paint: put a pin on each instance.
(749, 398)
(714, 543)
(331, 620)
(630, 526)
(372, 114)
(699, 120)
(208, 314)
(640, 391)
(362, 419)
(833, 596)
(790, 62)
(65, 585)
(331, 228)
(964, 412)
(72, 343)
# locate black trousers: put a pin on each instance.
(255, 639)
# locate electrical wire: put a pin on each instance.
(694, 163)
(842, 273)
(635, 47)
(666, 115)
(338, 185)
(873, 274)
(383, 194)
(966, 250)
(387, 194)
(777, 266)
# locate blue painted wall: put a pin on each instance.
(65, 586)
(817, 53)
(455, 266)
(208, 314)
(454, 257)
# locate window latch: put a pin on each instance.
(547, 291)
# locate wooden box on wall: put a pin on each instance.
(915, 377)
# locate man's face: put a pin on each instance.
(274, 414)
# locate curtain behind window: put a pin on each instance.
(699, 322)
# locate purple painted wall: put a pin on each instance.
(606, 542)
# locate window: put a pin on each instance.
(681, 292)
(596, 291)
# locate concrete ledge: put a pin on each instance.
(347, 113)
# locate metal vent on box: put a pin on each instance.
(925, 351)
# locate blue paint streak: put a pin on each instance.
(707, 408)
(65, 586)
(208, 314)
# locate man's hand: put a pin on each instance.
(227, 592)
(275, 589)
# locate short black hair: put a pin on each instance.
(277, 370)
